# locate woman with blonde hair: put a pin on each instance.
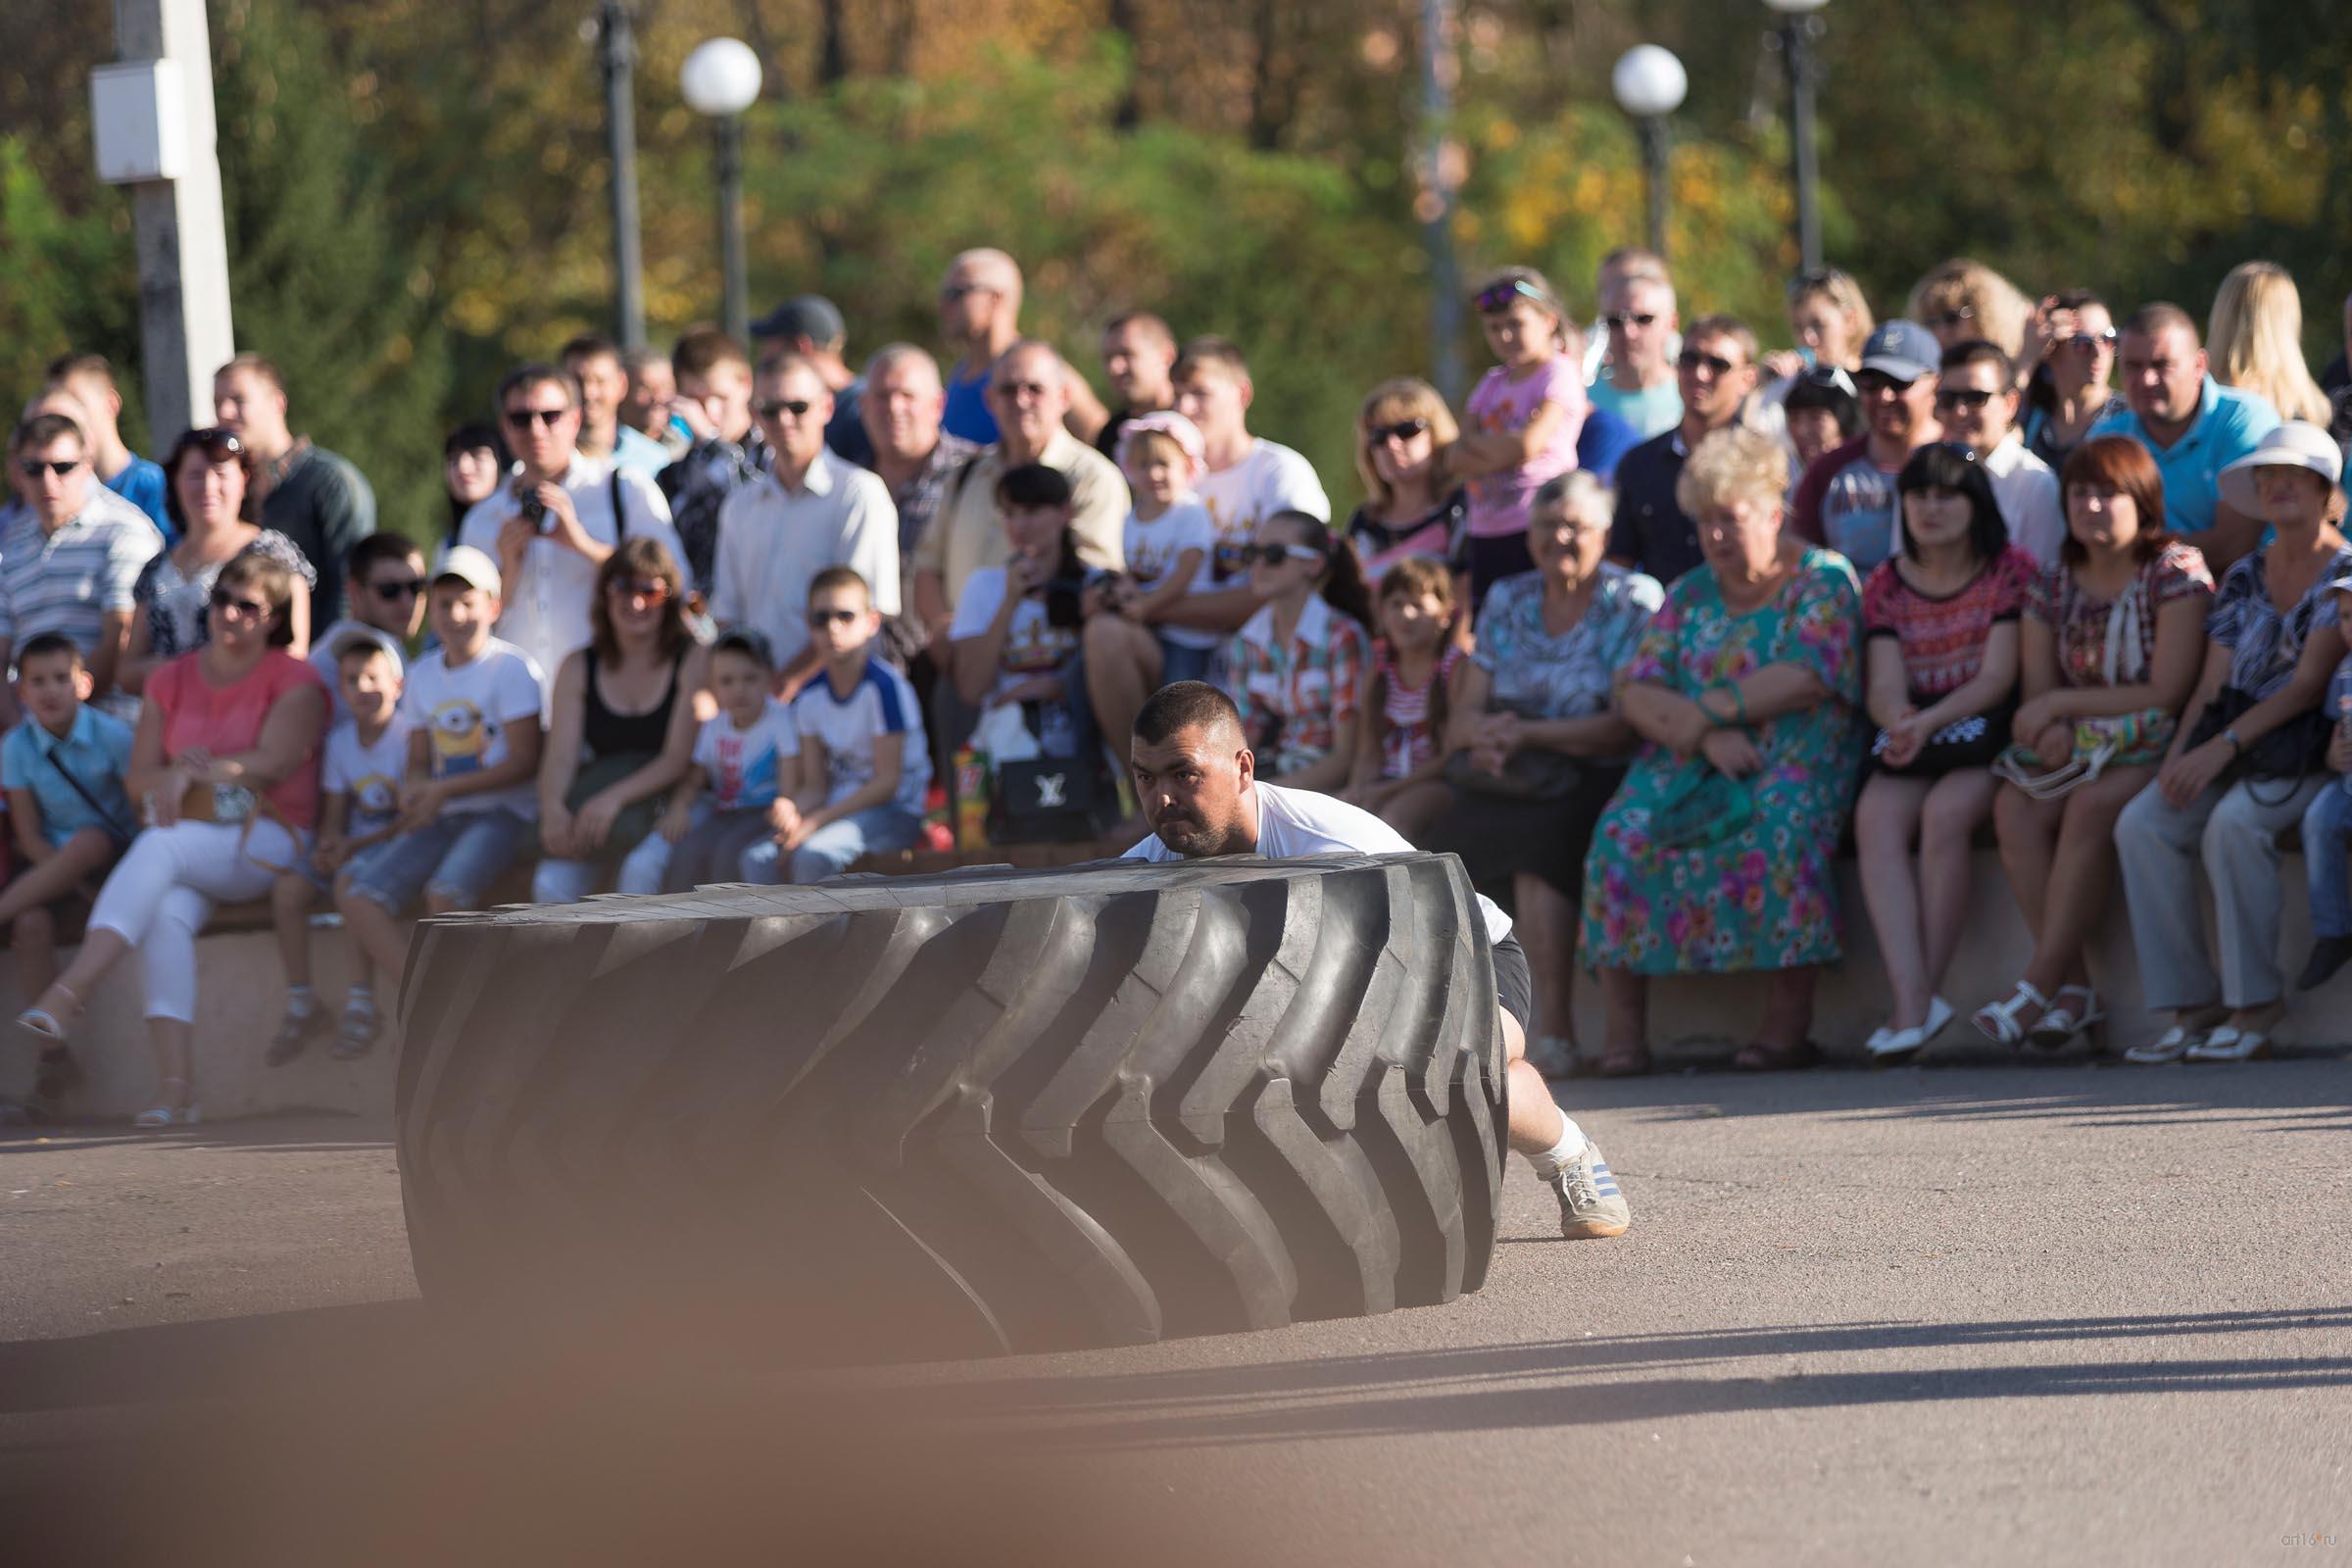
(2254, 340)
(1830, 319)
(1962, 298)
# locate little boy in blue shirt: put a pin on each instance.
(2328, 825)
(863, 752)
(62, 768)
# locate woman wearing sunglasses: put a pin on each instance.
(1295, 670)
(225, 769)
(2073, 386)
(621, 731)
(210, 497)
(1524, 417)
(1412, 506)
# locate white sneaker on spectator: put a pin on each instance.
(1551, 1056)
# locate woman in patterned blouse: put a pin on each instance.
(1939, 641)
(1295, 670)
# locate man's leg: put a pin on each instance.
(1590, 1203)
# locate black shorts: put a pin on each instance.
(1514, 985)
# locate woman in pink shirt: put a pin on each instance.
(225, 766)
(1521, 423)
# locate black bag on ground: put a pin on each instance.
(1051, 800)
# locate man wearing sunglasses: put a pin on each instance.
(551, 527)
(1715, 373)
(1639, 384)
(1976, 403)
(70, 556)
(810, 326)
(808, 510)
(1846, 499)
(980, 319)
(309, 494)
(385, 576)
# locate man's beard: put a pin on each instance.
(1194, 840)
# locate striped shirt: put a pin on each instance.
(69, 580)
(1407, 738)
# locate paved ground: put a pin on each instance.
(1980, 1314)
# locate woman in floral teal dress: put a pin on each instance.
(1715, 856)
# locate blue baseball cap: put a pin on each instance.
(1904, 350)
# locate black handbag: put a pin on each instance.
(2283, 755)
(1531, 774)
(1049, 800)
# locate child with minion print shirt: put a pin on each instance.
(469, 802)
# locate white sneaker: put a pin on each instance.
(1590, 1204)
(1551, 1057)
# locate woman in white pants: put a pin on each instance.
(226, 764)
(2234, 781)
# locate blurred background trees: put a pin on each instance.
(417, 187)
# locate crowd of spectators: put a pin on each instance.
(1644, 630)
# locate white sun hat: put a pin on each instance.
(2294, 444)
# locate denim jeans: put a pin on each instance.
(457, 856)
(834, 847)
(2326, 846)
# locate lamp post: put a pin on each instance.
(1649, 83)
(1797, 27)
(721, 79)
(618, 50)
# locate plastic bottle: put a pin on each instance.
(971, 799)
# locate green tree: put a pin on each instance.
(324, 282)
(72, 284)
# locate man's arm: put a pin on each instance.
(114, 635)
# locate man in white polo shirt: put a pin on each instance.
(809, 511)
(551, 527)
(1197, 780)
(1976, 403)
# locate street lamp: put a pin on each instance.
(1797, 27)
(616, 50)
(1649, 83)
(721, 79)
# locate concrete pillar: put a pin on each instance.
(182, 237)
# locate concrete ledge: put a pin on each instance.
(242, 994)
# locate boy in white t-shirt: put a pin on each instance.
(865, 765)
(1248, 480)
(724, 815)
(468, 800)
(367, 756)
(1171, 546)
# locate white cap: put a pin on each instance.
(470, 566)
(2295, 444)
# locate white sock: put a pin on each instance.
(1562, 1154)
(360, 999)
(299, 1000)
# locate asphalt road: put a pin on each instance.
(1993, 1313)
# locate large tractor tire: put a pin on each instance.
(984, 1112)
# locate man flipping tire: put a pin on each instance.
(1197, 779)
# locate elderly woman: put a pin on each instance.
(2108, 650)
(2247, 762)
(1715, 856)
(226, 763)
(211, 498)
(1540, 744)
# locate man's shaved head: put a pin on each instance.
(1194, 774)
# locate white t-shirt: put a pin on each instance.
(2028, 492)
(1293, 822)
(1153, 550)
(369, 774)
(1270, 478)
(745, 768)
(466, 714)
(1033, 645)
(881, 705)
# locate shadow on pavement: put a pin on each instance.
(2308, 1094)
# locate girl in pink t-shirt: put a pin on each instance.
(225, 764)
(1521, 423)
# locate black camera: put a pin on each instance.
(535, 512)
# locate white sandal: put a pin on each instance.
(2230, 1044)
(1888, 1045)
(1997, 1021)
(2171, 1046)
(2058, 1026)
(158, 1117)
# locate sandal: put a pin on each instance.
(361, 1026)
(48, 1025)
(55, 1076)
(1997, 1021)
(2171, 1046)
(1895, 1045)
(159, 1115)
(294, 1032)
(1757, 1056)
(2230, 1043)
(2061, 1022)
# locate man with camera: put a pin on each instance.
(553, 523)
(809, 511)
